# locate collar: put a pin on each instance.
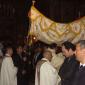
(7, 55)
(45, 59)
(82, 64)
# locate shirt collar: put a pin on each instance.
(82, 64)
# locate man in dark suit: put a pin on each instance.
(37, 56)
(70, 64)
(79, 78)
(21, 62)
(17, 58)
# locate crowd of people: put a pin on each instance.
(51, 65)
(70, 72)
(15, 66)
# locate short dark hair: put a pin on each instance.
(82, 43)
(6, 48)
(68, 45)
(19, 46)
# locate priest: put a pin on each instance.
(46, 74)
(8, 71)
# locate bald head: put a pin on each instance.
(47, 54)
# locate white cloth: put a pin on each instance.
(48, 74)
(1, 53)
(57, 59)
(8, 72)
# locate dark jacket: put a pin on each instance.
(67, 70)
(79, 78)
(23, 68)
(37, 57)
(17, 59)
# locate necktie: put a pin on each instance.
(81, 67)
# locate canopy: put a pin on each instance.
(49, 31)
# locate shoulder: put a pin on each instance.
(47, 66)
(73, 59)
(40, 63)
(7, 59)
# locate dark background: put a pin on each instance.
(14, 22)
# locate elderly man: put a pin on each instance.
(46, 74)
(79, 78)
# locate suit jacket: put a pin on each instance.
(68, 69)
(23, 68)
(38, 56)
(20, 64)
(79, 78)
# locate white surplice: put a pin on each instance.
(48, 74)
(8, 72)
(57, 59)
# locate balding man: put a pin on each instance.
(46, 74)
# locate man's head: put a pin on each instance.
(47, 54)
(39, 49)
(68, 49)
(80, 51)
(9, 51)
(19, 49)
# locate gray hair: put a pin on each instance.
(82, 44)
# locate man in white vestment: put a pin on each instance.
(57, 59)
(8, 71)
(46, 74)
(1, 54)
